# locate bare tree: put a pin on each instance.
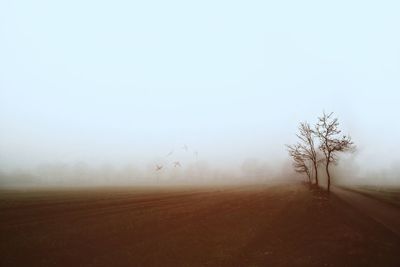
(307, 147)
(299, 160)
(330, 141)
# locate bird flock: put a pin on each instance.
(175, 163)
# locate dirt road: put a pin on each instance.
(384, 213)
(285, 225)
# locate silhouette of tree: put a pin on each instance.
(304, 153)
(307, 147)
(330, 141)
(299, 160)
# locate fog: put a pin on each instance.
(102, 93)
(197, 172)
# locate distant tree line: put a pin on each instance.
(307, 155)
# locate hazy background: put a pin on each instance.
(107, 89)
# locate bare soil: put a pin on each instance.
(281, 225)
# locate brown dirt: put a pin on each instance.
(285, 225)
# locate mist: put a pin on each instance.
(95, 101)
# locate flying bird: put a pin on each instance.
(170, 153)
(159, 167)
(177, 164)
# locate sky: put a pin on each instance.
(126, 82)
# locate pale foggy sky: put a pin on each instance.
(125, 82)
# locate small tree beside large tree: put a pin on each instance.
(304, 151)
(331, 143)
(300, 163)
(306, 136)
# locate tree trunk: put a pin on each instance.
(316, 173)
(329, 176)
